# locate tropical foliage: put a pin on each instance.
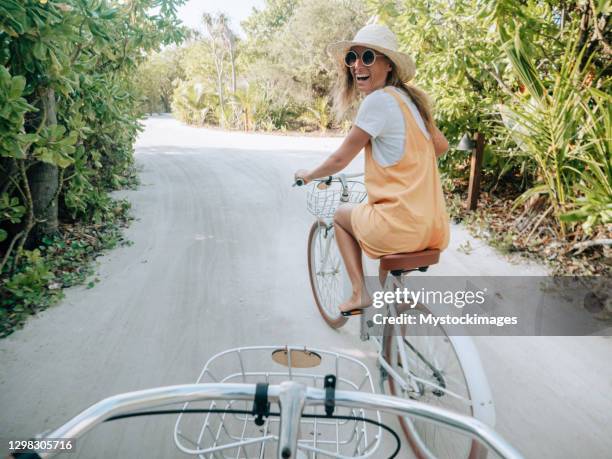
(279, 77)
(532, 77)
(69, 111)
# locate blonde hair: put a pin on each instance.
(345, 95)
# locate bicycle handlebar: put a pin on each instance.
(340, 177)
(291, 396)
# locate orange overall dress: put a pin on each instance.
(405, 211)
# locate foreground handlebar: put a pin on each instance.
(290, 395)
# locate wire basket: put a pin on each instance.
(323, 202)
(230, 435)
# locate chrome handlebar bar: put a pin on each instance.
(291, 396)
(340, 177)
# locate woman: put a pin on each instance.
(405, 211)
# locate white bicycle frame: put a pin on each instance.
(469, 359)
(325, 260)
(482, 400)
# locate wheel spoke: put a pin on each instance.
(327, 278)
(433, 358)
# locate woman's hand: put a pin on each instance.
(302, 174)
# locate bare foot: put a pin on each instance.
(356, 301)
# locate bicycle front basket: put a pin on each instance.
(322, 203)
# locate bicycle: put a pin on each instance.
(256, 402)
(433, 367)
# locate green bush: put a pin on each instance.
(70, 106)
(533, 85)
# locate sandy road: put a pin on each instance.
(218, 261)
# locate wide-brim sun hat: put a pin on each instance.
(379, 38)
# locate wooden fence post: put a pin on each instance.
(475, 172)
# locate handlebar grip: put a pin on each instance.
(299, 182)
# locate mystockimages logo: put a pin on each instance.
(459, 298)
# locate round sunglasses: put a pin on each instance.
(368, 57)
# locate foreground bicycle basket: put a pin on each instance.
(238, 435)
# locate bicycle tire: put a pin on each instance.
(476, 450)
(324, 304)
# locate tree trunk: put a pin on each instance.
(165, 99)
(221, 98)
(233, 61)
(233, 76)
(585, 19)
(7, 169)
(43, 179)
(219, 67)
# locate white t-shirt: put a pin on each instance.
(381, 116)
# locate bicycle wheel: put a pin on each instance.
(325, 270)
(433, 359)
